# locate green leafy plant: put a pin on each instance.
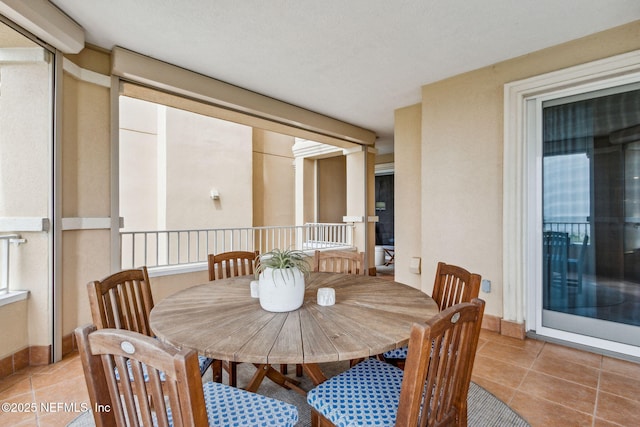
(279, 259)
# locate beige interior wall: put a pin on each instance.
(332, 189)
(85, 258)
(462, 149)
(91, 153)
(407, 198)
(86, 142)
(14, 336)
(273, 179)
(25, 182)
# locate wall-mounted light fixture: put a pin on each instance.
(381, 206)
(214, 194)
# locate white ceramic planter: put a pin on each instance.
(281, 290)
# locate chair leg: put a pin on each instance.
(354, 362)
(284, 370)
(318, 420)
(399, 363)
(216, 370)
(231, 368)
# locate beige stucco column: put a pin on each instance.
(360, 199)
(360, 189)
(305, 190)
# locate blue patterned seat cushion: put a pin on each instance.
(397, 353)
(228, 406)
(367, 394)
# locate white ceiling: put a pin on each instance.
(355, 60)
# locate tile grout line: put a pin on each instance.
(33, 397)
(524, 377)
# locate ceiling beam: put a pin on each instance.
(161, 75)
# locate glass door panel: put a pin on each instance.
(591, 215)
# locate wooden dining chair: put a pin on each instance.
(123, 300)
(452, 285)
(165, 387)
(431, 391)
(232, 264)
(336, 261)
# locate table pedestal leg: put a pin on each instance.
(265, 370)
(314, 373)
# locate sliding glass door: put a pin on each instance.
(590, 227)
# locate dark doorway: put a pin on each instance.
(384, 210)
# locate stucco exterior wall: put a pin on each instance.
(205, 153)
(139, 149)
(273, 179)
(407, 195)
(462, 149)
(332, 189)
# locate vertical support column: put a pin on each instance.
(305, 190)
(55, 249)
(360, 200)
(114, 110)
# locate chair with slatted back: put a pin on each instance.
(452, 285)
(577, 265)
(337, 261)
(334, 261)
(232, 264)
(123, 300)
(431, 391)
(165, 387)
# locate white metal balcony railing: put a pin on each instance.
(181, 247)
(5, 252)
(576, 230)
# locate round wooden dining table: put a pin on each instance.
(221, 320)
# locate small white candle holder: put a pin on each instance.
(254, 289)
(326, 296)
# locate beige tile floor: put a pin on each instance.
(548, 384)
(554, 385)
